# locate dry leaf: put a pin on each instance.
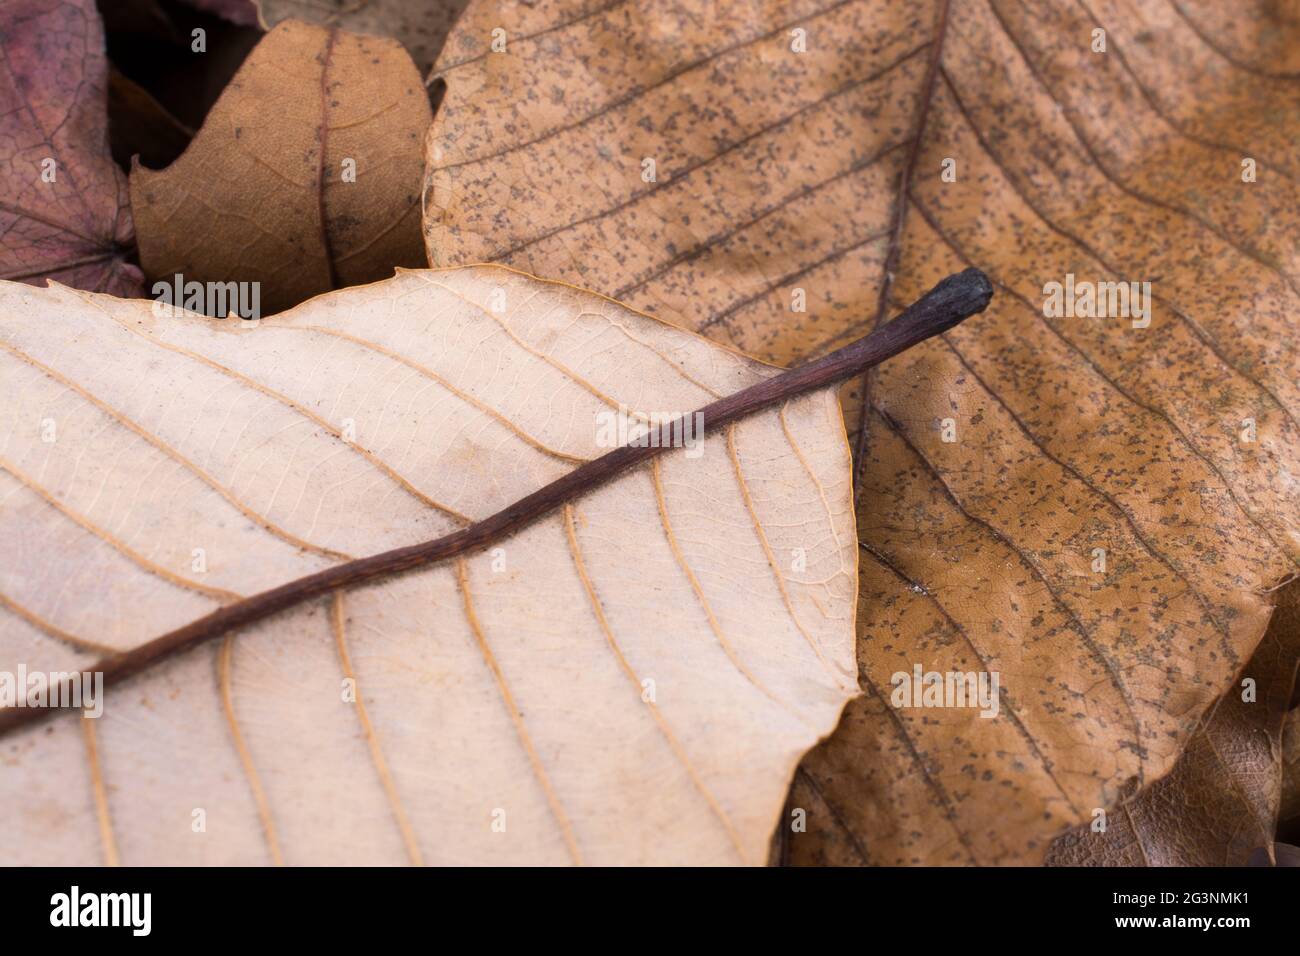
(155, 48)
(1221, 799)
(141, 126)
(63, 209)
(304, 177)
(631, 680)
(780, 176)
(539, 154)
(419, 25)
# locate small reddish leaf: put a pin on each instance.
(63, 204)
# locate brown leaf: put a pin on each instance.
(779, 173)
(1221, 799)
(629, 679)
(141, 126)
(63, 209)
(263, 194)
(155, 48)
(419, 25)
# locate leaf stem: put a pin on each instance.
(953, 299)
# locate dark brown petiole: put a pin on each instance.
(955, 298)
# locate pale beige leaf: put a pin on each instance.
(514, 680)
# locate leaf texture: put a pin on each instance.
(304, 177)
(779, 173)
(631, 680)
(63, 204)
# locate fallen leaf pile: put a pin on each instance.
(473, 232)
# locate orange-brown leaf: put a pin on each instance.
(781, 175)
(263, 193)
